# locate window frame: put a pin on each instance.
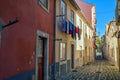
(64, 14)
(81, 52)
(44, 6)
(62, 56)
(72, 16)
(40, 47)
(80, 23)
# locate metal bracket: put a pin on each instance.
(10, 23)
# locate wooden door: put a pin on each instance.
(41, 59)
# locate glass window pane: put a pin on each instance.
(72, 17)
(63, 9)
(62, 51)
(40, 47)
(44, 3)
(80, 24)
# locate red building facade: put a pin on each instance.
(26, 47)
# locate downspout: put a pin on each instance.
(54, 48)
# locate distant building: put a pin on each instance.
(89, 30)
(104, 46)
(117, 17)
(98, 53)
(112, 43)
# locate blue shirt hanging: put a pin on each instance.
(61, 25)
(70, 28)
(74, 32)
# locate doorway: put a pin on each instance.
(42, 41)
(41, 58)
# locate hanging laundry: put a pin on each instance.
(61, 25)
(74, 32)
(77, 29)
(79, 34)
(67, 27)
(70, 28)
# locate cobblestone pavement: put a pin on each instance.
(99, 70)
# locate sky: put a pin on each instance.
(105, 12)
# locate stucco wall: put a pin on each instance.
(17, 53)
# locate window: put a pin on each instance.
(63, 9)
(72, 16)
(89, 33)
(112, 52)
(85, 30)
(40, 47)
(44, 3)
(80, 24)
(80, 51)
(62, 51)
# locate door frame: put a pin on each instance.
(46, 54)
(72, 58)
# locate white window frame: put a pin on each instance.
(62, 51)
(72, 16)
(80, 24)
(40, 48)
(63, 9)
(44, 5)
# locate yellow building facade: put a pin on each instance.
(71, 51)
(112, 43)
(65, 48)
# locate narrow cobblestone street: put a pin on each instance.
(99, 70)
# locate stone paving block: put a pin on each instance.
(99, 70)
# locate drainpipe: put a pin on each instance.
(54, 48)
(119, 47)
